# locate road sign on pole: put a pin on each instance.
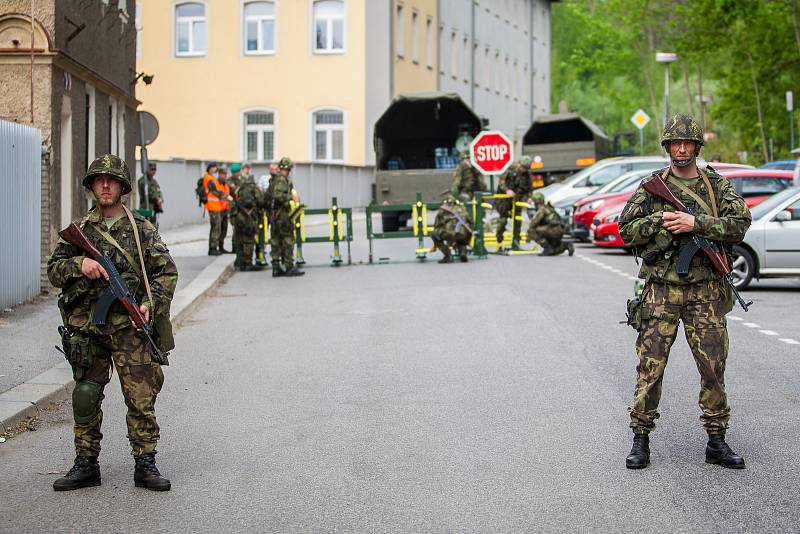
(490, 152)
(640, 120)
(790, 109)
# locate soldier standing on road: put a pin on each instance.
(155, 201)
(700, 299)
(93, 349)
(452, 228)
(516, 182)
(235, 182)
(249, 200)
(226, 199)
(214, 193)
(281, 227)
(467, 181)
(546, 228)
(261, 237)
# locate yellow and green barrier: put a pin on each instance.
(340, 230)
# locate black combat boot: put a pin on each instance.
(294, 271)
(447, 258)
(85, 473)
(212, 251)
(463, 258)
(277, 271)
(499, 236)
(146, 474)
(718, 452)
(570, 249)
(639, 458)
(547, 251)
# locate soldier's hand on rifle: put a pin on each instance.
(678, 222)
(145, 311)
(510, 192)
(93, 270)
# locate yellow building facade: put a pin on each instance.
(256, 80)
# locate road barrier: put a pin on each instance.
(340, 230)
(490, 238)
(419, 217)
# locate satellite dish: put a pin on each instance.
(148, 128)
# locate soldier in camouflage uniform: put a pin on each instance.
(452, 229)
(700, 299)
(281, 226)
(467, 181)
(156, 199)
(249, 200)
(516, 181)
(546, 228)
(93, 349)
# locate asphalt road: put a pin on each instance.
(488, 396)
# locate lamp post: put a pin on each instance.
(666, 58)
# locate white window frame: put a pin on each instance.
(121, 118)
(329, 138)
(113, 133)
(429, 42)
(329, 51)
(258, 19)
(415, 36)
(400, 30)
(191, 21)
(259, 129)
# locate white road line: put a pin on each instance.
(617, 271)
(789, 341)
(751, 325)
(769, 332)
(734, 318)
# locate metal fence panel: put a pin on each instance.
(20, 212)
(315, 182)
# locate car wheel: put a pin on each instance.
(743, 268)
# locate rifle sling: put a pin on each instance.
(694, 196)
(141, 258)
(110, 239)
(711, 193)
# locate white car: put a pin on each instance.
(771, 247)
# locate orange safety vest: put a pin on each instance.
(214, 203)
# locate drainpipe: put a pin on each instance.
(32, 37)
(391, 49)
(532, 6)
(472, 55)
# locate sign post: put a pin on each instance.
(640, 120)
(490, 152)
(790, 109)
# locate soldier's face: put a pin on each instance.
(682, 149)
(273, 168)
(151, 171)
(107, 190)
(285, 172)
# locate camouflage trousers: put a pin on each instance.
(503, 208)
(141, 380)
(444, 239)
(281, 241)
(219, 228)
(701, 307)
(548, 237)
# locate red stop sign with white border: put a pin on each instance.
(490, 152)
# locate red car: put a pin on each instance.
(754, 185)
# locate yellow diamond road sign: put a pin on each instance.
(640, 119)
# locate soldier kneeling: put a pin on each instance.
(451, 228)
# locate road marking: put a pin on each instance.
(789, 341)
(769, 332)
(751, 325)
(734, 318)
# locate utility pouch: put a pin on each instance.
(634, 313)
(656, 247)
(77, 349)
(163, 333)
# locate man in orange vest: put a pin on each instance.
(218, 197)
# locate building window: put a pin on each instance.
(400, 31)
(507, 78)
(429, 42)
(259, 28)
(453, 55)
(329, 26)
(259, 135)
(487, 70)
(442, 50)
(465, 59)
(476, 57)
(328, 135)
(415, 37)
(497, 71)
(190, 29)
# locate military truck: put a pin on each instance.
(562, 144)
(417, 141)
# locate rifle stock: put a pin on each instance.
(73, 235)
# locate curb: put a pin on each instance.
(28, 399)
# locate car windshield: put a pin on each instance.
(756, 186)
(630, 183)
(760, 210)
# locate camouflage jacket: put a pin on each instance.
(467, 181)
(518, 179)
(448, 224)
(279, 192)
(248, 192)
(640, 227)
(546, 216)
(79, 294)
(153, 188)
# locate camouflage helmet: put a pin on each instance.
(525, 161)
(112, 166)
(464, 154)
(285, 163)
(682, 127)
(537, 198)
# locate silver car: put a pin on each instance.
(771, 247)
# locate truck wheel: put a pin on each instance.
(390, 221)
(743, 267)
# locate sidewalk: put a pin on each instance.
(33, 373)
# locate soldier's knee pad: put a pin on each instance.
(85, 401)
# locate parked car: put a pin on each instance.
(779, 165)
(583, 212)
(750, 183)
(771, 247)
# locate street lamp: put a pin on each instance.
(666, 58)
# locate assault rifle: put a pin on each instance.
(461, 221)
(656, 187)
(117, 290)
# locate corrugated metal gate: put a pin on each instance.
(20, 212)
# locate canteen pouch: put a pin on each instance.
(163, 330)
(78, 349)
(634, 313)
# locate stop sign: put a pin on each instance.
(490, 152)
